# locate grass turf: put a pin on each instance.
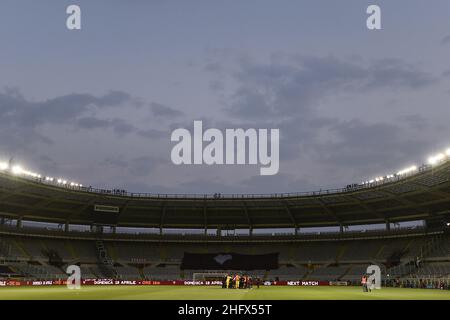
(216, 293)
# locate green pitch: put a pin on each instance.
(216, 293)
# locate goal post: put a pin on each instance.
(205, 276)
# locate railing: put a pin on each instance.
(124, 193)
(328, 236)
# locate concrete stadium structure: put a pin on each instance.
(412, 253)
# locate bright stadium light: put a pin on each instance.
(31, 174)
(436, 159)
(407, 170)
(3, 166)
(61, 181)
(17, 170)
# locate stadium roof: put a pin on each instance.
(423, 195)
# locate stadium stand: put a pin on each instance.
(412, 256)
(323, 260)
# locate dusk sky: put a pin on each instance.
(98, 105)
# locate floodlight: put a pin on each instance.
(17, 170)
(407, 170)
(31, 174)
(436, 159)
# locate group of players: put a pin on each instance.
(238, 281)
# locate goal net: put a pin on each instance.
(208, 276)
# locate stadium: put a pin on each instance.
(314, 245)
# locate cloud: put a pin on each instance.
(215, 66)
(22, 120)
(326, 138)
(119, 126)
(321, 148)
(152, 133)
(137, 166)
(160, 110)
(396, 74)
(415, 121)
(93, 123)
(16, 110)
(287, 93)
(289, 87)
(216, 85)
(445, 40)
(446, 73)
(368, 148)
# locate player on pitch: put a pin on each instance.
(364, 283)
